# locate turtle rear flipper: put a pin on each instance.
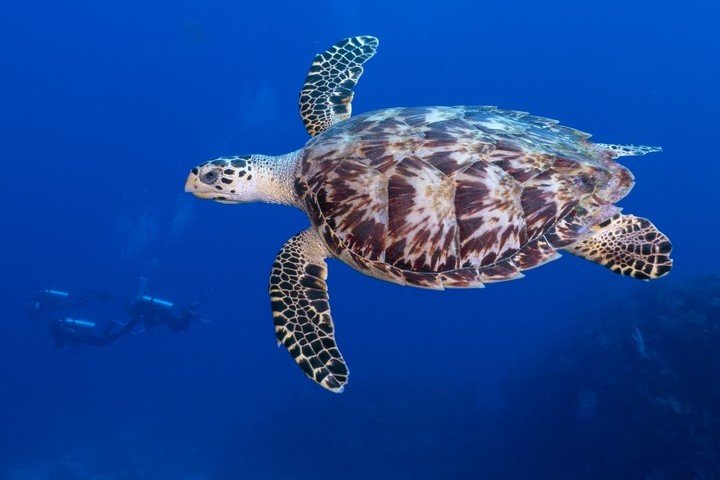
(327, 93)
(627, 245)
(301, 311)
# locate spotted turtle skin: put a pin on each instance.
(438, 197)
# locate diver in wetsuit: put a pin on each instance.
(45, 304)
(145, 312)
(148, 312)
(67, 331)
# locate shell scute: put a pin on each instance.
(347, 185)
(489, 214)
(534, 254)
(499, 272)
(421, 218)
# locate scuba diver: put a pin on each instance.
(148, 312)
(145, 312)
(73, 332)
(46, 303)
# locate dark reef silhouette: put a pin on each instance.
(632, 392)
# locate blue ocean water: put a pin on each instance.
(572, 372)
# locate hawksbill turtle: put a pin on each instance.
(430, 197)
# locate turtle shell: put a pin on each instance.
(454, 196)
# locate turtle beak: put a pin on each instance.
(191, 184)
(200, 189)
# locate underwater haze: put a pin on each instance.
(573, 372)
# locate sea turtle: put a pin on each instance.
(431, 197)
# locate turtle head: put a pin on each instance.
(226, 180)
(246, 178)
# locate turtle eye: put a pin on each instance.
(209, 177)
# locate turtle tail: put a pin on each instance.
(626, 150)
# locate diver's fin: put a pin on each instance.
(626, 150)
(301, 311)
(327, 93)
(627, 245)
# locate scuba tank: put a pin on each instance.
(82, 324)
(56, 293)
(46, 301)
(155, 301)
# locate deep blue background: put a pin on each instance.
(104, 107)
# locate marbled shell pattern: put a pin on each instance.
(454, 196)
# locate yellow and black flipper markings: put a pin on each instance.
(301, 311)
(327, 93)
(627, 245)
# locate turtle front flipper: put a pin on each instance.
(301, 311)
(327, 93)
(627, 245)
